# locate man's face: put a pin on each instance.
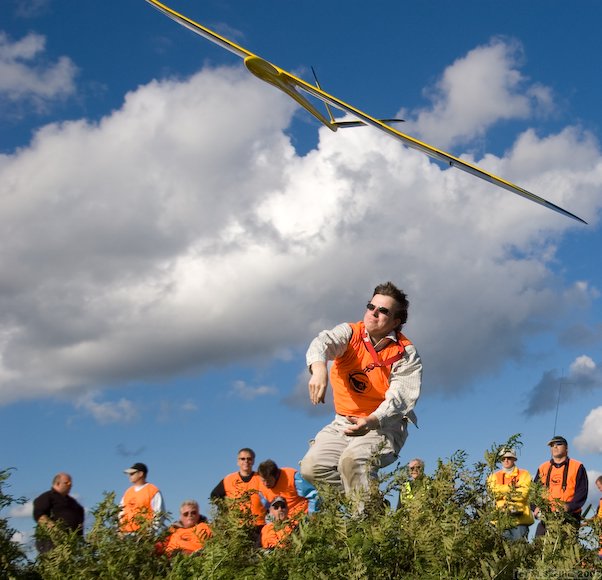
(559, 451)
(599, 485)
(136, 477)
(508, 462)
(63, 485)
(415, 469)
(189, 515)
(381, 320)
(269, 481)
(278, 511)
(245, 462)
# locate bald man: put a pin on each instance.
(56, 506)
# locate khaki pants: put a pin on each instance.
(346, 462)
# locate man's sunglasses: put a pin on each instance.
(380, 309)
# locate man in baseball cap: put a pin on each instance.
(566, 481)
(142, 501)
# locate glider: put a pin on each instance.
(294, 87)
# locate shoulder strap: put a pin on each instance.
(376, 362)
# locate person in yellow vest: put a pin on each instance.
(190, 533)
(416, 480)
(566, 481)
(243, 483)
(376, 378)
(141, 500)
(510, 488)
(275, 533)
(599, 512)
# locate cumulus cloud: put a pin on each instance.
(245, 391)
(24, 510)
(174, 235)
(26, 76)
(584, 376)
(478, 90)
(590, 438)
(105, 412)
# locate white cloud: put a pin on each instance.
(25, 75)
(24, 510)
(478, 90)
(590, 438)
(183, 230)
(244, 391)
(121, 411)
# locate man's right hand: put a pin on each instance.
(318, 382)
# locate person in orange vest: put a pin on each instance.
(244, 484)
(189, 534)
(510, 488)
(566, 481)
(376, 378)
(287, 483)
(275, 533)
(142, 500)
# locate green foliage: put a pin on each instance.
(444, 530)
(13, 561)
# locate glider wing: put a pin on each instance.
(292, 85)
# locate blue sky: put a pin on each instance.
(174, 232)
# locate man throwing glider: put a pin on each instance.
(376, 378)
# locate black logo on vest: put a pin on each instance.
(359, 381)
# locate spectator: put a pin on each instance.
(190, 533)
(415, 481)
(566, 481)
(243, 485)
(286, 482)
(599, 513)
(376, 379)
(142, 501)
(510, 489)
(57, 507)
(275, 533)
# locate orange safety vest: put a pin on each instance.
(360, 377)
(285, 487)
(560, 481)
(188, 540)
(135, 505)
(272, 538)
(235, 487)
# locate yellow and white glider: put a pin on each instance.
(291, 85)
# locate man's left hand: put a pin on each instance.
(361, 425)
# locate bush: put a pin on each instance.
(445, 530)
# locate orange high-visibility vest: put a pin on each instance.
(285, 487)
(273, 538)
(188, 540)
(136, 504)
(358, 388)
(560, 481)
(235, 487)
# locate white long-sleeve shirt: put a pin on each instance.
(404, 381)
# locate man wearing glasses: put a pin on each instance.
(189, 534)
(241, 487)
(275, 533)
(566, 481)
(376, 378)
(142, 501)
(509, 487)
